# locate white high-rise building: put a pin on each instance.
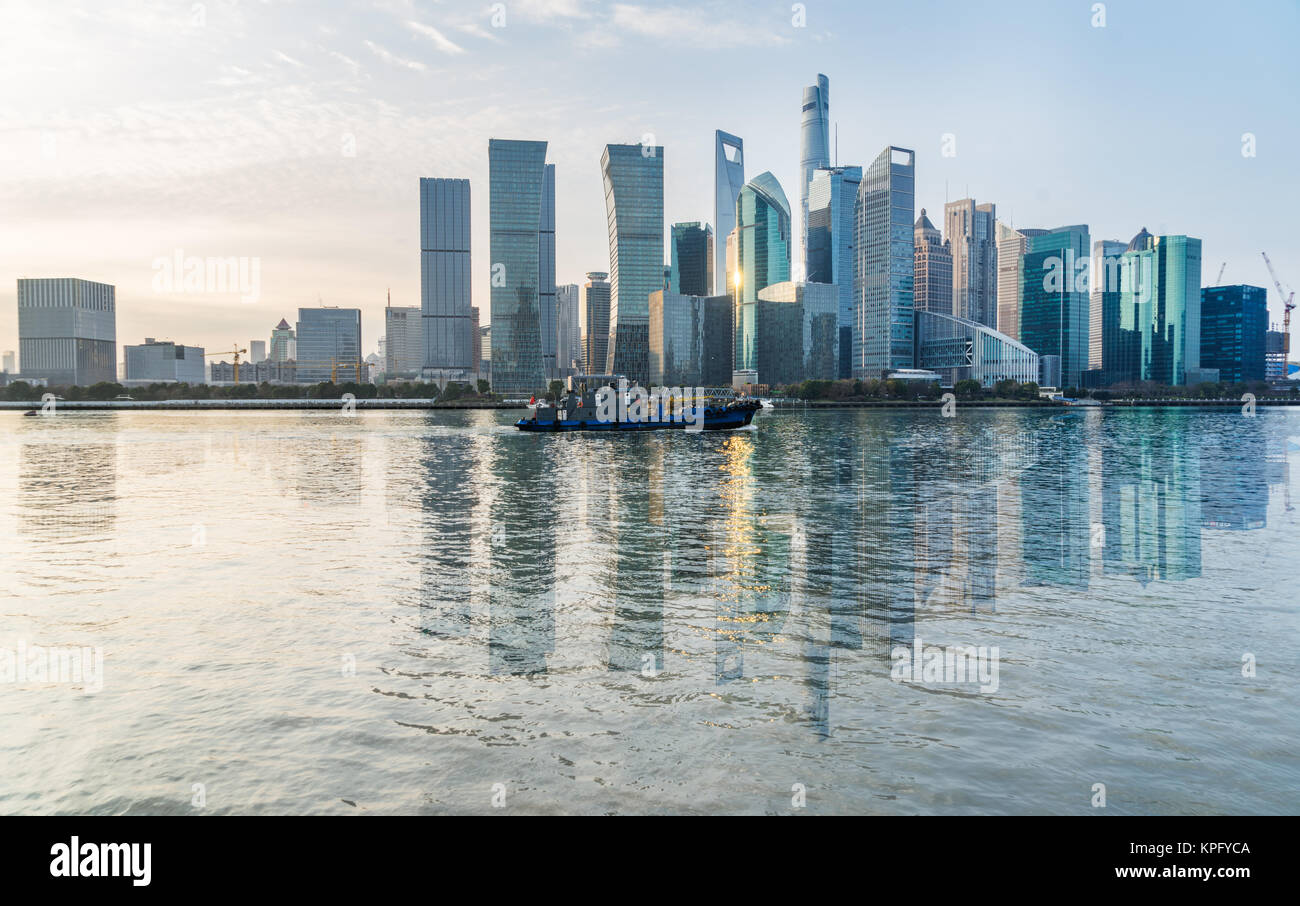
(568, 329)
(969, 229)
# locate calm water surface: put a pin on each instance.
(398, 611)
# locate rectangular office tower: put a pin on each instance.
(329, 345)
(970, 231)
(593, 321)
(443, 328)
(831, 200)
(1011, 249)
(691, 257)
(634, 209)
(164, 362)
(1159, 330)
(1234, 328)
(67, 330)
(690, 340)
(1054, 298)
(404, 346)
(1104, 340)
(728, 180)
(568, 330)
(884, 258)
(796, 333)
(522, 252)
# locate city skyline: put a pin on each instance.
(318, 181)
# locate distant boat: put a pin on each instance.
(577, 411)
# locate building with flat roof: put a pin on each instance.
(1234, 332)
(884, 265)
(832, 197)
(442, 329)
(164, 362)
(329, 345)
(690, 340)
(67, 330)
(634, 210)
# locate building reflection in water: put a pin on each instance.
(67, 491)
(636, 638)
(521, 577)
(447, 490)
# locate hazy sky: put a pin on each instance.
(295, 132)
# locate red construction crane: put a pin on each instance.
(1288, 303)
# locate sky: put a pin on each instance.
(294, 133)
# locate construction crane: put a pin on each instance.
(1288, 303)
(237, 353)
(334, 365)
(1218, 281)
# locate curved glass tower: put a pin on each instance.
(814, 148)
(634, 210)
(762, 252)
(728, 180)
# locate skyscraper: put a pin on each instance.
(634, 209)
(256, 351)
(762, 257)
(8, 362)
(593, 319)
(329, 345)
(568, 332)
(1234, 325)
(284, 342)
(831, 200)
(1160, 309)
(1054, 298)
(1011, 246)
(441, 331)
(814, 151)
(933, 257)
(690, 340)
(522, 252)
(970, 232)
(67, 330)
(1103, 306)
(404, 348)
(691, 250)
(884, 262)
(728, 180)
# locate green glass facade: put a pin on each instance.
(1160, 310)
(1054, 303)
(762, 257)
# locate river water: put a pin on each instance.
(408, 612)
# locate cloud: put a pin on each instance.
(281, 55)
(700, 26)
(441, 41)
(392, 59)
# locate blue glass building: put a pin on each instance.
(634, 210)
(1234, 323)
(329, 345)
(691, 250)
(884, 262)
(445, 325)
(762, 251)
(832, 197)
(521, 213)
(1160, 310)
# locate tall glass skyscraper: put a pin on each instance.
(568, 330)
(1234, 324)
(829, 259)
(691, 249)
(814, 150)
(443, 329)
(67, 330)
(762, 257)
(728, 180)
(1160, 309)
(884, 262)
(634, 211)
(1054, 298)
(1104, 340)
(521, 189)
